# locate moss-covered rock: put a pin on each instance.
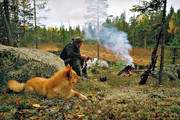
(22, 64)
(169, 72)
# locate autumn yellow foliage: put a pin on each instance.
(25, 26)
(141, 18)
(171, 24)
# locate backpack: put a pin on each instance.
(63, 54)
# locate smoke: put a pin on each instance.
(105, 34)
(116, 41)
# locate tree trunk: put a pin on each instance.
(6, 9)
(24, 32)
(162, 46)
(35, 23)
(16, 20)
(153, 68)
(154, 56)
(7, 22)
(51, 36)
(145, 40)
(161, 62)
(98, 46)
(133, 42)
(24, 19)
(174, 56)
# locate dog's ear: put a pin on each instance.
(68, 66)
(69, 72)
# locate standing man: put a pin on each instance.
(71, 55)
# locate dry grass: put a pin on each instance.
(91, 51)
(46, 47)
(140, 56)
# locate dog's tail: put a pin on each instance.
(15, 85)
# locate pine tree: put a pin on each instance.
(3, 33)
(23, 20)
(6, 15)
(132, 34)
(174, 28)
(37, 5)
(15, 22)
(148, 7)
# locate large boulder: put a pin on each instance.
(22, 64)
(95, 62)
(94, 65)
(169, 72)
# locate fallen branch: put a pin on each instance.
(137, 71)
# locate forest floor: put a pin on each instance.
(118, 98)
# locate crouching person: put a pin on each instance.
(71, 55)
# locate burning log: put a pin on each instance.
(127, 71)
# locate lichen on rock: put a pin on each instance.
(170, 72)
(24, 63)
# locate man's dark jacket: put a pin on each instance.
(71, 52)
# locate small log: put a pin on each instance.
(137, 71)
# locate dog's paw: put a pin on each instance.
(84, 97)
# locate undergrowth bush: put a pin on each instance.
(119, 65)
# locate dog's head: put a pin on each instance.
(72, 75)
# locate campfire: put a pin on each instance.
(127, 71)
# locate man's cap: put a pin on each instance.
(77, 39)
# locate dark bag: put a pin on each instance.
(63, 54)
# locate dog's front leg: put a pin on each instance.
(78, 94)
